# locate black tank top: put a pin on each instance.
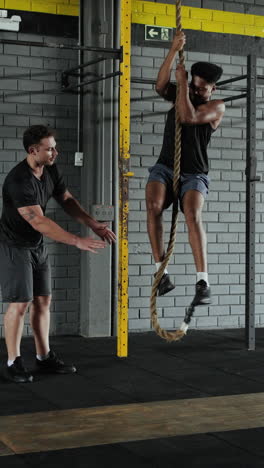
(194, 142)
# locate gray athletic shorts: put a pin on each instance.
(24, 273)
(163, 174)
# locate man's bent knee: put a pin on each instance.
(193, 217)
(154, 208)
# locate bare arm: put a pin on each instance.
(165, 70)
(75, 210)
(35, 217)
(211, 112)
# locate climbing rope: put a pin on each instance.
(177, 334)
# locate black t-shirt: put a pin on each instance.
(22, 188)
(194, 142)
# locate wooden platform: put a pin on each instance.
(84, 427)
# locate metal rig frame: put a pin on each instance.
(123, 55)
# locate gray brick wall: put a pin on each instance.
(224, 211)
(24, 69)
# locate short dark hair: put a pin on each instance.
(208, 71)
(34, 134)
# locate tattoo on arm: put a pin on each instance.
(28, 215)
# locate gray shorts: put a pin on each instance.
(163, 174)
(24, 273)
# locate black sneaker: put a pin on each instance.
(202, 294)
(17, 372)
(165, 285)
(54, 365)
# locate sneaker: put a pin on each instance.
(202, 294)
(54, 365)
(17, 372)
(165, 285)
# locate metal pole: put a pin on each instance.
(115, 159)
(124, 142)
(80, 96)
(251, 179)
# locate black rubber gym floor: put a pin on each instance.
(204, 364)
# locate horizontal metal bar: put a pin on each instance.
(220, 83)
(234, 98)
(30, 93)
(85, 83)
(64, 89)
(116, 53)
(71, 88)
(153, 82)
(231, 88)
(143, 80)
(231, 80)
(83, 65)
(30, 75)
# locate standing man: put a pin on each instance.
(25, 277)
(199, 117)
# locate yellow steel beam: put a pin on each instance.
(124, 155)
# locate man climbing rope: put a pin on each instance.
(199, 118)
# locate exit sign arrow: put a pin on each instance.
(152, 33)
(157, 33)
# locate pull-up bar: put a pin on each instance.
(110, 52)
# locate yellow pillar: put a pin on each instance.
(124, 155)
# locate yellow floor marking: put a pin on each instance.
(83, 427)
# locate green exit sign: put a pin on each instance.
(157, 33)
